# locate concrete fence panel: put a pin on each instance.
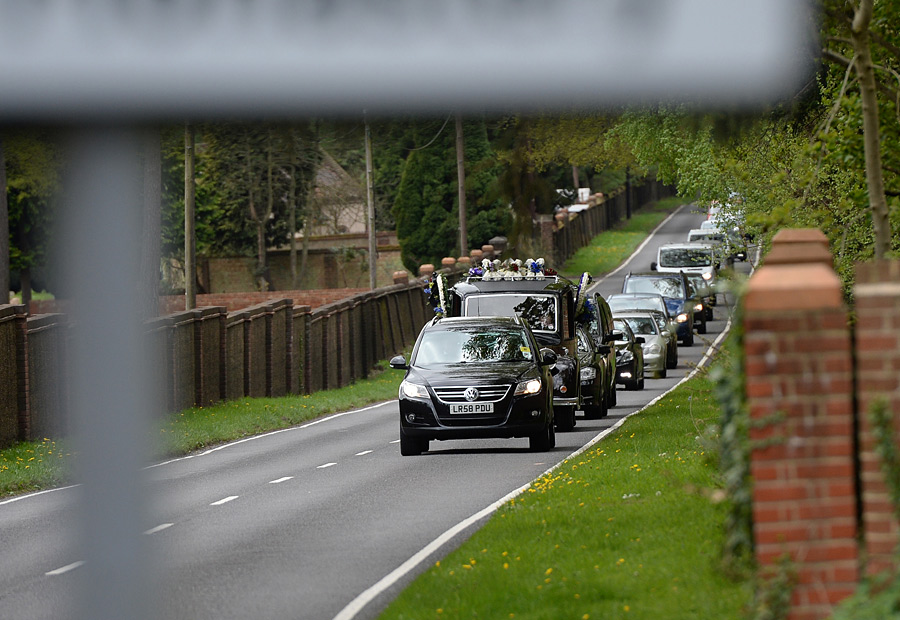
(315, 366)
(12, 373)
(182, 360)
(48, 412)
(280, 339)
(299, 338)
(209, 325)
(256, 351)
(237, 375)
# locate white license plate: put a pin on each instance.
(473, 408)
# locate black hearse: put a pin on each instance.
(547, 303)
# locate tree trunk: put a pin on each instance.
(865, 70)
(292, 219)
(4, 231)
(151, 232)
(190, 247)
(461, 182)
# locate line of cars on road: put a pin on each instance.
(515, 351)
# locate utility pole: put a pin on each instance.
(190, 240)
(370, 202)
(461, 181)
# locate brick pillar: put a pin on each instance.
(799, 389)
(877, 295)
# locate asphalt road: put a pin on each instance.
(314, 522)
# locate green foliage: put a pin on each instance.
(33, 169)
(733, 450)
(426, 208)
(608, 249)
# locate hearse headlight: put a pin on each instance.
(532, 386)
(413, 390)
(588, 373)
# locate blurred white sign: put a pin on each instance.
(144, 58)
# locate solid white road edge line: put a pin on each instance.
(64, 569)
(225, 500)
(643, 244)
(359, 603)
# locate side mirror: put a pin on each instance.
(604, 349)
(639, 339)
(398, 362)
(615, 335)
(548, 357)
(653, 266)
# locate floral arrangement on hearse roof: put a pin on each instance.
(437, 291)
(585, 310)
(511, 269)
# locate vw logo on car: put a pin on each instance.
(471, 394)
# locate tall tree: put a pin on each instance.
(152, 224)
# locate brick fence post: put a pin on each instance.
(877, 294)
(799, 390)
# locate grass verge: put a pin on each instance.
(610, 248)
(631, 528)
(30, 466)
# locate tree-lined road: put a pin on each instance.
(298, 523)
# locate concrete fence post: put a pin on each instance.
(877, 294)
(799, 389)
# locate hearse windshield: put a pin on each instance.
(685, 257)
(539, 310)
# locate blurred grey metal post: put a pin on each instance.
(110, 399)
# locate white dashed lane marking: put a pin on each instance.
(326, 465)
(279, 480)
(158, 528)
(224, 500)
(64, 569)
(363, 453)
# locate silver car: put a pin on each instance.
(655, 345)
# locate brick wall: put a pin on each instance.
(800, 394)
(877, 294)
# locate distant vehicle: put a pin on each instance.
(655, 304)
(691, 258)
(629, 357)
(479, 377)
(681, 300)
(655, 343)
(706, 292)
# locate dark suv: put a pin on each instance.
(548, 305)
(476, 378)
(682, 302)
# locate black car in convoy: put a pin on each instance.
(548, 305)
(481, 377)
(600, 328)
(596, 374)
(683, 303)
(629, 357)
